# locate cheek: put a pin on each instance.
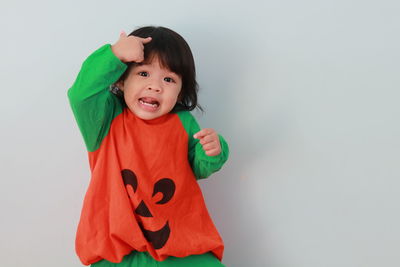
(130, 92)
(175, 97)
(130, 98)
(179, 93)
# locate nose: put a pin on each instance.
(154, 86)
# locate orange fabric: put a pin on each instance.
(143, 195)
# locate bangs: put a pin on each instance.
(166, 62)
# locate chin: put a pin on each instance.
(146, 115)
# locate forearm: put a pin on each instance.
(98, 72)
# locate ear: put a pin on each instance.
(120, 85)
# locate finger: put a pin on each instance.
(139, 59)
(146, 40)
(202, 133)
(213, 152)
(209, 146)
(208, 139)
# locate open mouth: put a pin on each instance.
(149, 103)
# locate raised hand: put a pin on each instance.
(130, 48)
(209, 140)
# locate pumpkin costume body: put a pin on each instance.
(143, 195)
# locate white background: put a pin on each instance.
(305, 92)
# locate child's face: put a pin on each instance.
(151, 91)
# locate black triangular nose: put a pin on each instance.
(142, 210)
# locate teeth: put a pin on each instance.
(148, 104)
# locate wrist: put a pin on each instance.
(115, 50)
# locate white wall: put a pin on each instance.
(306, 93)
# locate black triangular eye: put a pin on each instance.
(129, 177)
(167, 187)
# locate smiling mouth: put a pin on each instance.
(157, 238)
(149, 102)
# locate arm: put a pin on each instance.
(93, 105)
(202, 164)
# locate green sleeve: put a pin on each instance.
(92, 103)
(202, 165)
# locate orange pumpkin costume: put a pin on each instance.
(143, 194)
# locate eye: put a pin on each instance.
(169, 79)
(129, 178)
(143, 73)
(167, 187)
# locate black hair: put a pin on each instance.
(173, 53)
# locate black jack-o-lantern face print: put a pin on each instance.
(165, 186)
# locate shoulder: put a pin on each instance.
(188, 121)
(184, 115)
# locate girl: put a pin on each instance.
(144, 207)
